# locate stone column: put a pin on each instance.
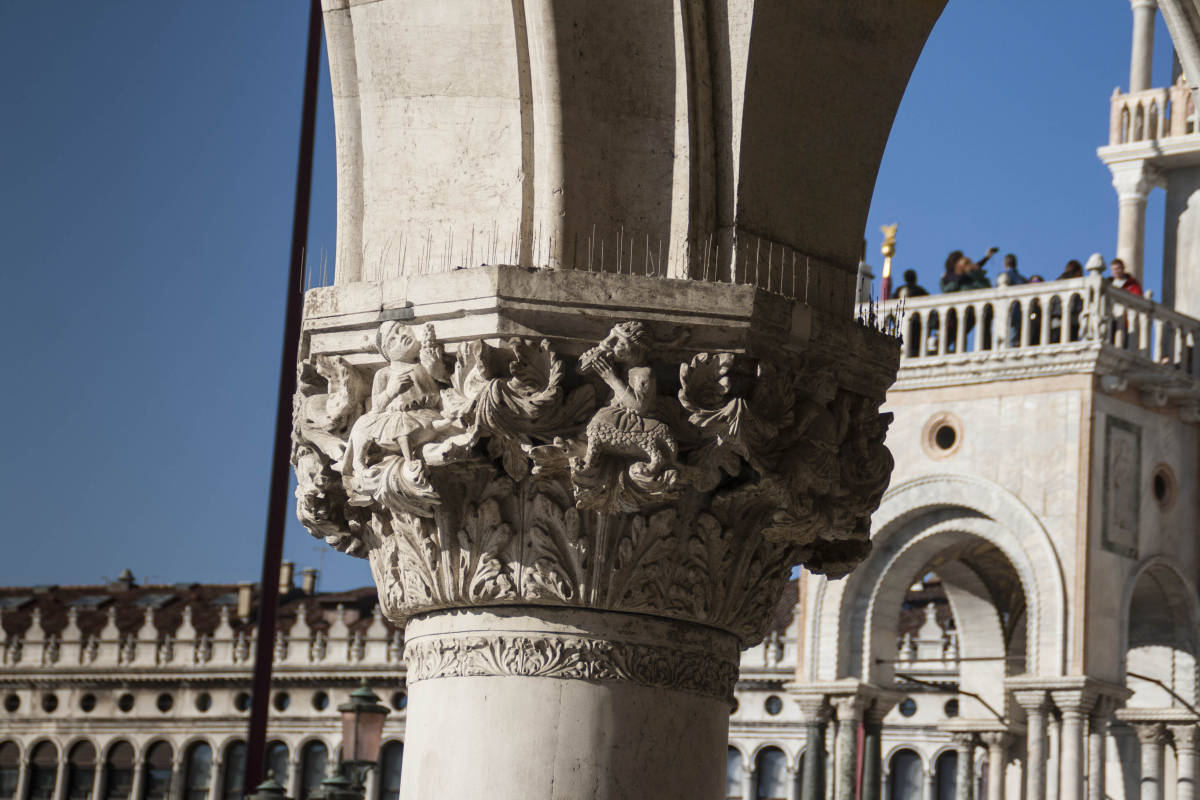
(1152, 736)
(849, 715)
(750, 783)
(872, 786)
(793, 787)
(581, 446)
(23, 778)
(1185, 754)
(1141, 58)
(1097, 749)
(139, 773)
(1053, 753)
(997, 748)
(1133, 181)
(964, 781)
(816, 714)
(1036, 708)
(930, 782)
(1074, 706)
(550, 573)
(60, 776)
(98, 776)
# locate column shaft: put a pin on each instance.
(1071, 755)
(793, 787)
(1152, 737)
(1053, 755)
(873, 761)
(23, 778)
(1141, 58)
(1185, 756)
(495, 697)
(1131, 232)
(1097, 738)
(1035, 753)
(847, 757)
(749, 784)
(997, 759)
(965, 778)
(813, 779)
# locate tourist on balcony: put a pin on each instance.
(1122, 279)
(1009, 276)
(1073, 270)
(963, 274)
(910, 287)
(1074, 306)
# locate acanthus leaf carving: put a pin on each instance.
(488, 477)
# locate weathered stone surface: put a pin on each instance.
(634, 474)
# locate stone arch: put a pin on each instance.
(780, 746)
(69, 744)
(109, 744)
(887, 758)
(1159, 638)
(741, 751)
(34, 744)
(915, 520)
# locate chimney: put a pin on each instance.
(286, 571)
(309, 582)
(245, 598)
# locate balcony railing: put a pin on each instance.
(1152, 114)
(1044, 318)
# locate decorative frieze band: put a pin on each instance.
(570, 657)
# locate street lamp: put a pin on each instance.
(362, 733)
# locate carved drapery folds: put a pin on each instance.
(638, 476)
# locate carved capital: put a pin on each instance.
(965, 740)
(850, 707)
(998, 741)
(1033, 701)
(1185, 737)
(633, 475)
(1154, 734)
(1076, 702)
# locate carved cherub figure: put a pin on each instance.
(627, 426)
(404, 411)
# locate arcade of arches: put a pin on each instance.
(954, 627)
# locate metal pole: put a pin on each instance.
(280, 463)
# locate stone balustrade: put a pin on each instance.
(1158, 113)
(1054, 327)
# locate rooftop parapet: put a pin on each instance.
(1072, 326)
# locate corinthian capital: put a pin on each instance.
(633, 465)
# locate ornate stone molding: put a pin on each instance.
(577, 657)
(636, 476)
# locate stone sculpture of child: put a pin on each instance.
(405, 408)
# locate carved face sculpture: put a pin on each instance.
(397, 342)
(824, 388)
(626, 343)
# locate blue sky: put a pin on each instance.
(146, 177)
